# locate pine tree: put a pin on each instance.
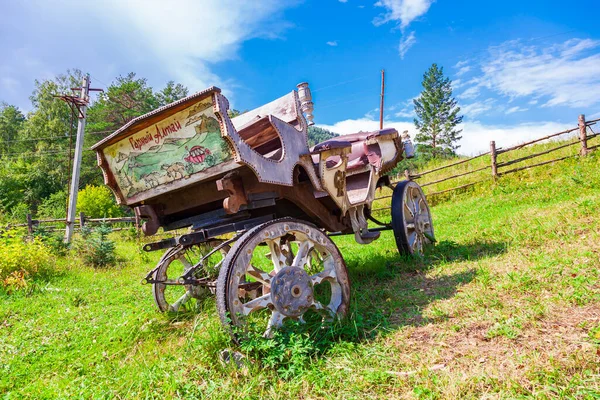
(437, 116)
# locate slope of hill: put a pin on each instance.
(507, 304)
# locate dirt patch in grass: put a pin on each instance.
(559, 343)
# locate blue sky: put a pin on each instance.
(520, 68)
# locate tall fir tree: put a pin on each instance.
(437, 116)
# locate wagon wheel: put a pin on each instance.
(173, 297)
(411, 218)
(278, 271)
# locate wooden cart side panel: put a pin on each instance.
(294, 145)
(182, 148)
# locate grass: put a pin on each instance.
(505, 306)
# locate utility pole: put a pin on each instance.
(84, 96)
(382, 94)
(80, 102)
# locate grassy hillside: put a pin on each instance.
(506, 305)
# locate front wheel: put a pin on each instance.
(172, 296)
(280, 271)
(411, 218)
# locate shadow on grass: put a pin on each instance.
(390, 291)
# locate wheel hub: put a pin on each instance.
(292, 291)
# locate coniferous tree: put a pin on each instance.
(437, 116)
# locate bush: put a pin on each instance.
(21, 261)
(53, 240)
(96, 248)
(18, 213)
(53, 206)
(97, 202)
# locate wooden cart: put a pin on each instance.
(259, 203)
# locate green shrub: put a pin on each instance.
(53, 206)
(22, 261)
(97, 202)
(96, 248)
(18, 214)
(54, 240)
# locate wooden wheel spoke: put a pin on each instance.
(256, 304)
(327, 274)
(278, 259)
(276, 321)
(180, 302)
(260, 275)
(329, 313)
(300, 259)
(185, 262)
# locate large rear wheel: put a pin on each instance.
(281, 271)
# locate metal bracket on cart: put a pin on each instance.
(205, 234)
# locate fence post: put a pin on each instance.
(81, 220)
(582, 135)
(407, 175)
(493, 156)
(29, 224)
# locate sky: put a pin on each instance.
(519, 69)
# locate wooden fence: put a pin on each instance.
(498, 168)
(82, 221)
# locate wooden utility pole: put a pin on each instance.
(382, 94)
(84, 97)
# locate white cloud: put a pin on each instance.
(187, 36)
(406, 43)
(470, 93)
(463, 70)
(515, 109)
(402, 11)
(476, 136)
(564, 74)
(477, 108)
(461, 64)
(332, 43)
(366, 125)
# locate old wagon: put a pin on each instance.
(260, 205)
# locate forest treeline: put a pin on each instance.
(35, 154)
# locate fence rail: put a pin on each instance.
(82, 221)
(498, 168)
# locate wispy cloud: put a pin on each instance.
(463, 70)
(332, 43)
(469, 93)
(515, 109)
(564, 74)
(402, 12)
(475, 135)
(474, 109)
(406, 43)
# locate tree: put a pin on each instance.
(318, 135)
(11, 122)
(172, 92)
(437, 116)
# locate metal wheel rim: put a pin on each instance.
(181, 298)
(313, 247)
